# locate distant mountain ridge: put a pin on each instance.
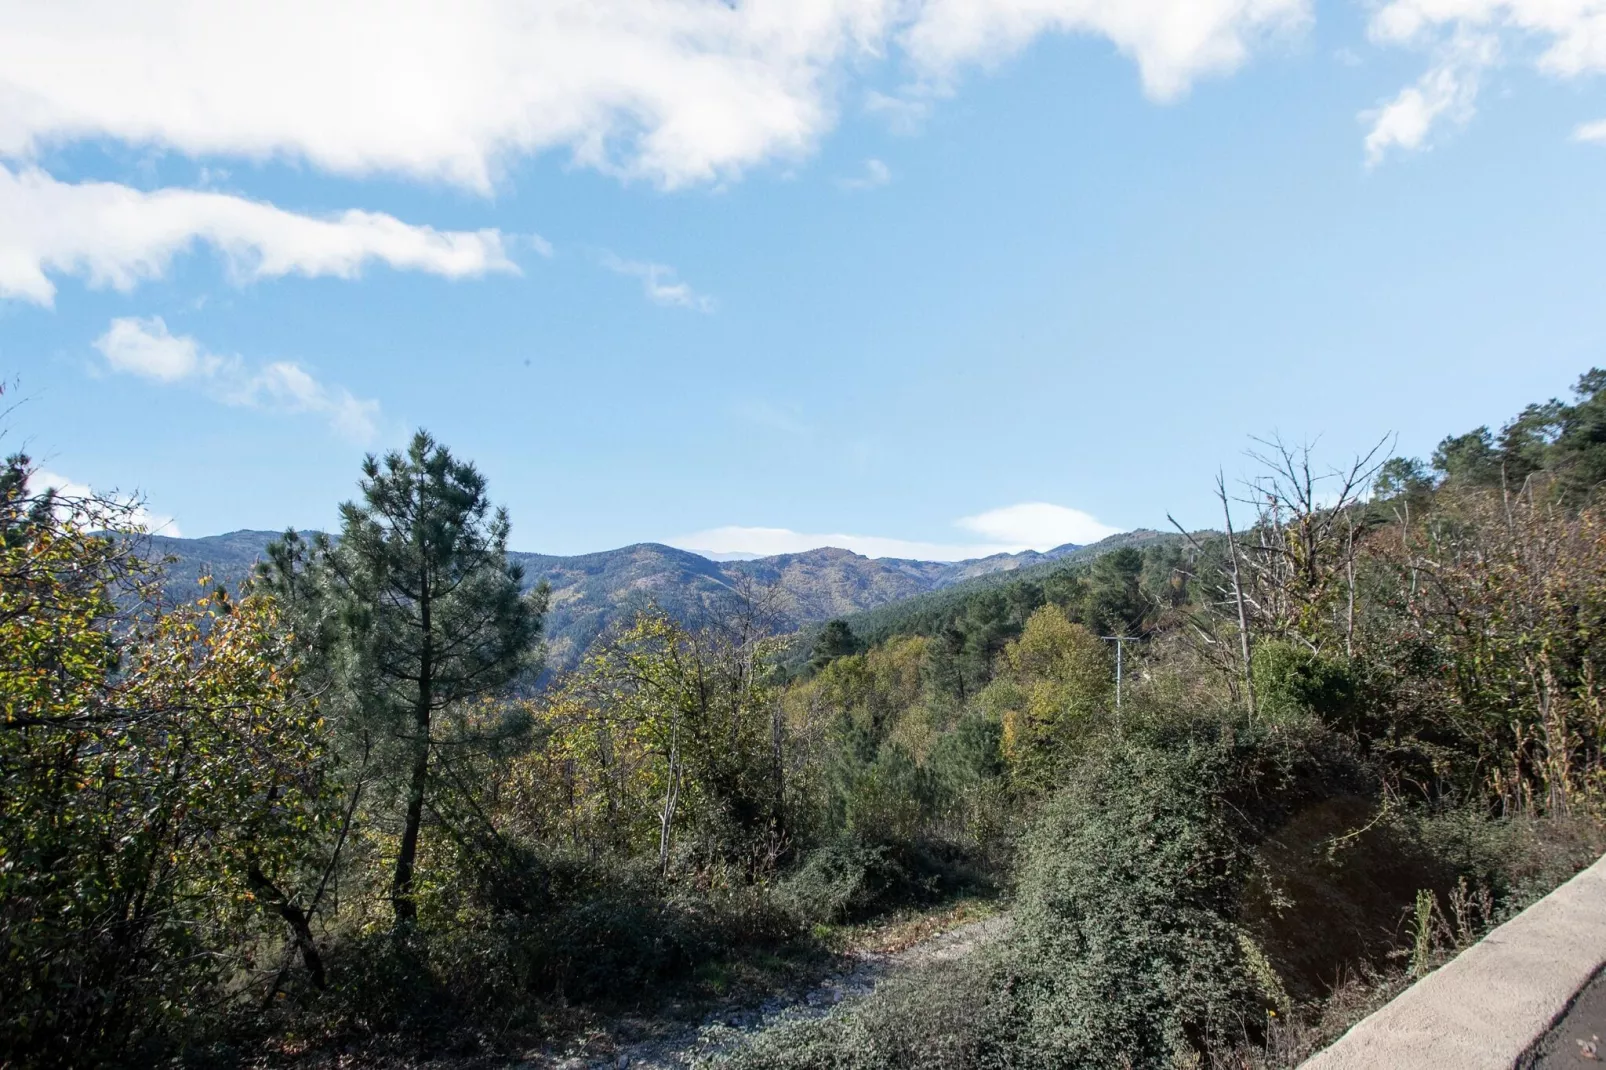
(591, 591)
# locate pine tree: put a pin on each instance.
(418, 612)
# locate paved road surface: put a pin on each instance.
(1576, 1039)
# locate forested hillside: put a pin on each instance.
(323, 819)
(590, 592)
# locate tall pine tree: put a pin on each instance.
(415, 612)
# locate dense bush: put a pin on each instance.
(849, 879)
(1127, 942)
(163, 797)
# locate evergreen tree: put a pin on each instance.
(1469, 460)
(1116, 604)
(836, 640)
(415, 612)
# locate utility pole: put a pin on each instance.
(1120, 642)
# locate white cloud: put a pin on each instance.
(659, 283)
(116, 236)
(876, 174)
(1030, 526)
(145, 347)
(1448, 90)
(1469, 35)
(155, 523)
(675, 91)
(1174, 42)
(1037, 525)
(904, 113)
(1595, 131)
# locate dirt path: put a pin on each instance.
(676, 1049)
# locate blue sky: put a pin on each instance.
(921, 277)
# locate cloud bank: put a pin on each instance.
(116, 236)
(671, 91)
(145, 348)
(1029, 526)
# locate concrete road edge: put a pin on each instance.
(1492, 1004)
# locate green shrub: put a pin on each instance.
(1291, 680)
(1127, 946)
(1124, 946)
(848, 880)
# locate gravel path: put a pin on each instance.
(729, 1027)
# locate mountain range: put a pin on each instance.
(592, 591)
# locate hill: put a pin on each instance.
(591, 591)
(922, 612)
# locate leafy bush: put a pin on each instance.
(163, 794)
(1291, 680)
(849, 880)
(1125, 945)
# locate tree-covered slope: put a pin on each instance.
(924, 613)
(592, 591)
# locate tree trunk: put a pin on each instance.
(666, 824)
(1238, 595)
(401, 890)
(298, 920)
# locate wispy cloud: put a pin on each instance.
(904, 113)
(116, 236)
(145, 348)
(1465, 37)
(876, 174)
(1447, 91)
(1029, 526)
(659, 283)
(1595, 132)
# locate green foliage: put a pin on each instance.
(1469, 460)
(845, 880)
(186, 841)
(1053, 685)
(1292, 680)
(1402, 477)
(1116, 603)
(163, 794)
(1566, 442)
(677, 730)
(1126, 946)
(413, 614)
(836, 640)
